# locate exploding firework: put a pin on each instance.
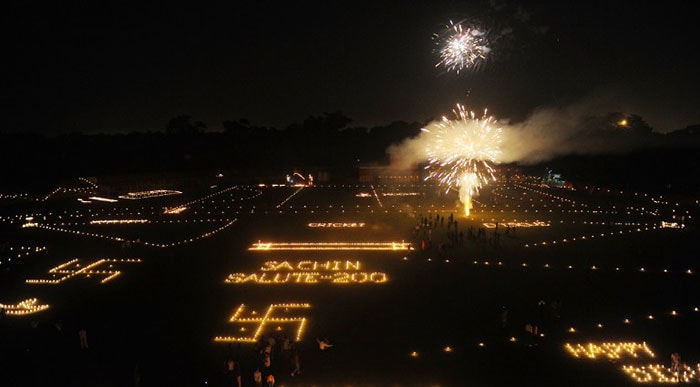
(461, 47)
(461, 152)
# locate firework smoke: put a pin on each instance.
(550, 132)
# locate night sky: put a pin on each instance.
(105, 67)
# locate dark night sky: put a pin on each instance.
(94, 66)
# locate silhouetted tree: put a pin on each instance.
(240, 127)
(183, 125)
(637, 124)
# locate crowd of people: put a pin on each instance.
(437, 232)
(275, 359)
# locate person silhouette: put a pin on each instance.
(676, 365)
(295, 361)
(232, 374)
(323, 344)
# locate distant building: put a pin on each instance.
(555, 180)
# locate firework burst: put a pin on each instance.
(461, 47)
(461, 152)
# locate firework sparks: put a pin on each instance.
(461, 152)
(461, 47)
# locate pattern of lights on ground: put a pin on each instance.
(337, 225)
(276, 314)
(543, 243)
(627, 321)
(386, 246)
(659, 373)
(14, 196)
(290, 197)
(588, 237)
(609, 350)
(136, 241)
(121, 212)
(19, 252)
(374, 191)
(671, 225)
(292, 268)
(149, 194)
(555, 197)
(135, 221)
(629, 210)
(482, 209)
(103, 199)
(548, 266)
(190, 240)
(309, 272)
(182, 207)
(653, 200)
(536, 223)
(175, 210)
(73, 268)
(402, 194)
(632, 351)
(63, 218)
(28, 306)
(60, 189)
(120, 221)
(30, 222)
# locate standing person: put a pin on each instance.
(296, 363)
(257, 377)
(82, 334)
(287, 347)
(676, 365)
(266, 352)
(232, 374)
(267, 372)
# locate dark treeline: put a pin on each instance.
(186, 146)
(37, 162)
(671, 165)
(658, 170)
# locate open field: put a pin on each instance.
(405, 300)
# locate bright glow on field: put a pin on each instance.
(391, 246)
